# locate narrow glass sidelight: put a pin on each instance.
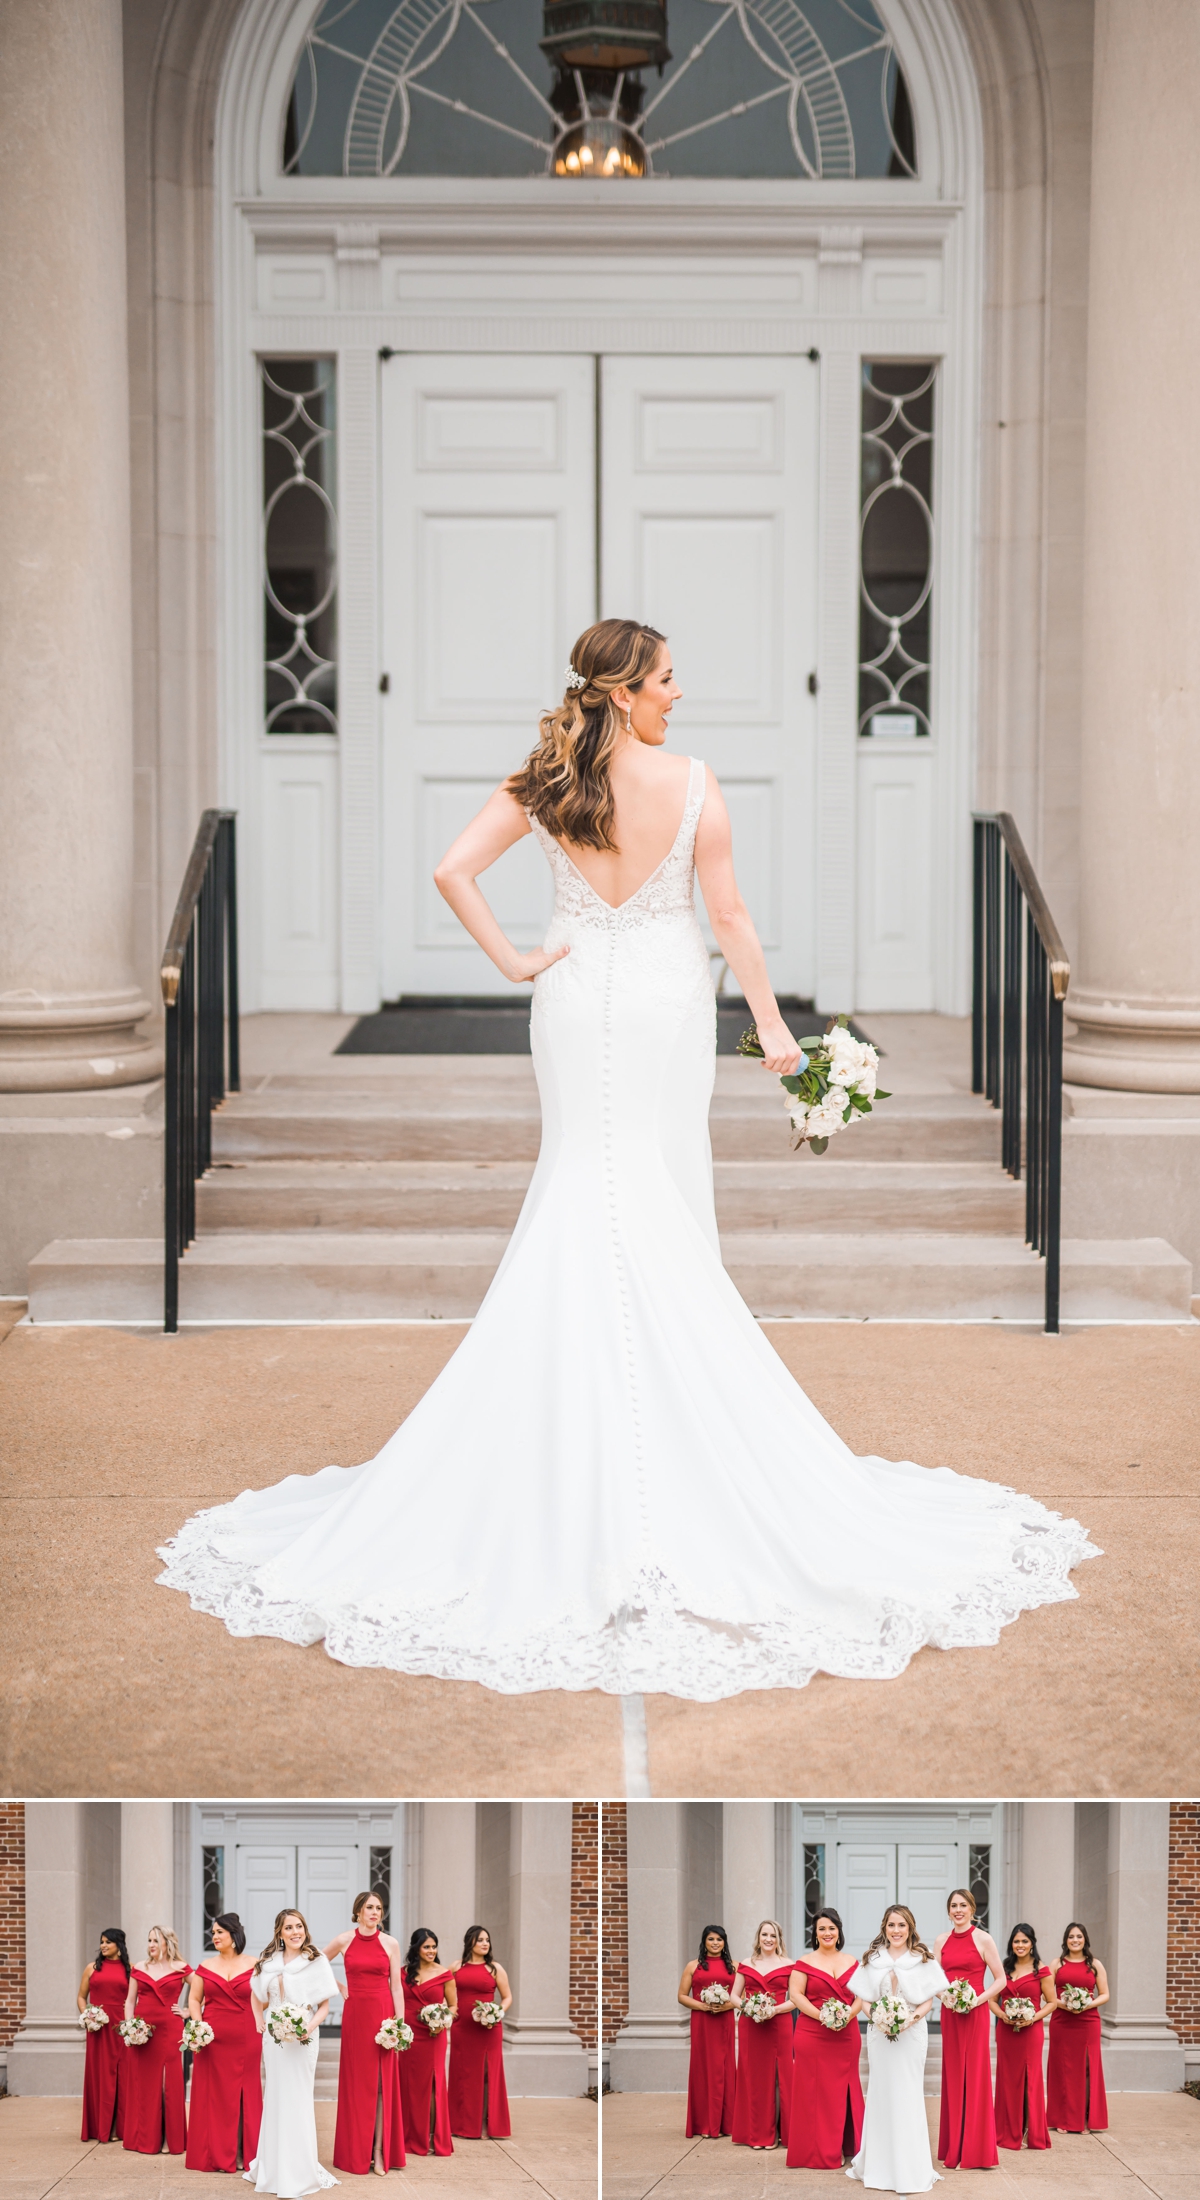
(814, 1888)
(379, 1881)
(979, 1875)
(896, 560)
(212, 1872)
(299, 545)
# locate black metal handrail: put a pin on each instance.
(1009, 957)
(200, 994)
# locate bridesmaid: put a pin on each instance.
(423, 2065)
(225, 2109)
(827, 2097)
(155, 2112)
(1075, 2096)
(105, 1982)
(370, 2120)
(1020, 2093)
(712, 2071)
(762, 2099)
(478, 2093)
(967, 2137)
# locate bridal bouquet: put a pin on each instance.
(487, 2013)
(834, 1085)
(1075, 1999)
(134, 2031)
(716, 1997)
(439, 2016)
(289, 2020)
(93, 2019)
(835, 2015)
(196, 2034)
(1018, 2010)
(394, 2033)
(890, 2014)
(961, 1997)
(759, 2007)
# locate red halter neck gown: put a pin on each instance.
(226, 2077)
(762, 2101)
(827, 2095)
(367, 2072)
(967, 2137)
(477, 2061)
(1075, 2096)
(712, 2070)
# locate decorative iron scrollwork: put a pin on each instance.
(896, 548)
(299, 533)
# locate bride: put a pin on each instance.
(290, 1969)
(895, 2154)
(626, 1488)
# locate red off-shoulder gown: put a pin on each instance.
(423, 2073)
(827, 2098)
(1020, 2092)
(226, 2077)
(762, 2100)
(477, 2062)
(712, 2070)
(1075, 2096)
(367, 2072)
(967, 2137)
(106, 2058)
(154, 2110)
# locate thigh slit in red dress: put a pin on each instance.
(226, 2102)
(368, 2076)
(762, 2101)
(1020, 2092)
(423, 2093)
(1075, 2096)
(712, 2068)
(106, 2057)
(477, 2062)
(827, 2097)
(155, 2110)
(967, 2134)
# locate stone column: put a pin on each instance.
(650, 2052)
(747, 1872)
(1046, 1888)
(1136, 997)
(68, 1002)
(47, 2054)
(1142, 2051)
(448, 1874)
(543, 2052)
(148, 1876)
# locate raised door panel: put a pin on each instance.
(866, 1873)
(327, 1880)
(266, 1884)
(894, 877)
(925, 1873)
(300, 816)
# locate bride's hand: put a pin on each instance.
(520, 968)
(780, 1051)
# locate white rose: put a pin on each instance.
(798, 1117)
(824, 1122)
(865, 1082)
(842, 1071)
(791, 1105)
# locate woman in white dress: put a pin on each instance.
(626, 1488)
(895, 2154)
(290, 1969)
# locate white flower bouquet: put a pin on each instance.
(760, 2008)
(134, 2031)
(93, 2019)
(1076, 2000)
(438, 2017)
(1018, 2011)
(890, 2015)
(196, 2034)
(716, 1997)
(835, 1084)
(289, 2020)
(487, 2013)
(396, 2034)
(960, 1997)
(834, 2014)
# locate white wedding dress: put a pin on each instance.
(286, 2162)
(895, 2154)
(618, 1482)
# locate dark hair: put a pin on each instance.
(231, 1923)
(412, 1961)
(1009, 1957)
(113, 1934)
(368, 1893)
(726, 1956)
(1087, 1957)
(566, 782)
(468, 1955)
(834, 1919)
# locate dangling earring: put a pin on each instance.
(629, 723)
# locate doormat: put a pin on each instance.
(477, 1023)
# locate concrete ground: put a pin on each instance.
(1150, 2152)
(552, 2151)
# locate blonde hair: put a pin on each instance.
(915, 1942)
(566, 781)
(779, 1942)
(275, 1944)
(170, 1944)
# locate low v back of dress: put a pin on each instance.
(622, 1485)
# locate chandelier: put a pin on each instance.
(596, 48)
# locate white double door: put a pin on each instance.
(870, 1874)
(318, 1879)
(524, 497)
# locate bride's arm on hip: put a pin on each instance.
(500, 824)
(733, 930)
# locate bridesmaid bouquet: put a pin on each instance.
(759, 2007)
(835, 2015)
(134, 2031)
(93, 2019)
(289, 2020)
(834, 1085)
(890, 2014)
(196, 2034)
(439, 2016)
(1076, 2000)
(1019, 2011)
(716, 1997)
(487, 2013)
(961, 1997)
(394, 2033)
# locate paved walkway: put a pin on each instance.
(1150, 2152)
(552, 2152)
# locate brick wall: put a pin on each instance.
(615, 1952)
(1183, 1923)
(584, 1881)
(12, 1919)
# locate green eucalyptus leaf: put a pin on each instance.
(818, 1144)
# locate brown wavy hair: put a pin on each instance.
(275, 1944)
(566, 782)
(915, 1942)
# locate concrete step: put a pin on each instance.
(329, 1275)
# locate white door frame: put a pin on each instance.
(955, 1823)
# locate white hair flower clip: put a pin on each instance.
(574, 679)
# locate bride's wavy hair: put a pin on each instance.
(566, 782)
(275, 1944)
(915, 1942)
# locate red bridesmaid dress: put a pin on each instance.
(1020, 2093)
(762, 2101)
(226, 2077)
(477, 2062)
(367, 2073)
(154, 2110)
(1075, 2096)
(423, 2073)
(712, 2070)
(827, 2096)
(967, 2138)
(105, 2060)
